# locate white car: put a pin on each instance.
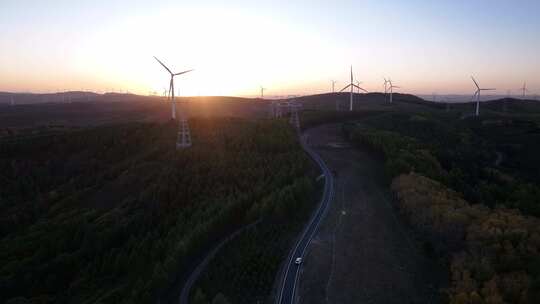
(298, 261)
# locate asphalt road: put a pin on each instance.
(289, 281)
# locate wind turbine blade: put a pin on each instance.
(487, 89)
(476, 83)
(475, 93)
(183, 72)
(359, 88)
(345, 88)
(163, 65)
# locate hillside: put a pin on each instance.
(470, 188)
(115, 214)
(116, 108)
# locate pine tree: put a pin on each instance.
(200, 297)
(220, 299)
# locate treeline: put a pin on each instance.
(493, 249)
(313, 118)
(245, 269)
(116, 215)
(458, 154)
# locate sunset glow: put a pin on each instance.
(237, 47)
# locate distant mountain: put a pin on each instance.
(374, 97)
(460, 98)
(35, 98)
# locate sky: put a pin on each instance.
(289, 47)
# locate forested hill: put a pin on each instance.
(471, 189)
(115, 214)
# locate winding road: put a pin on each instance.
(289, 281)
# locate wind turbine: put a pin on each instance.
(385, 88)
(171, 86)
(391, 88)
(352, 86)
(477, 95)
(333, 86)
(524, 89)
(183, 138)
(262, 92)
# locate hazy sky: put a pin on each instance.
(289, 47)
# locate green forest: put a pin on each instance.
(114, 214)
(244, 271)
(471, 189)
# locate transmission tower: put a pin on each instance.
(278, 110)
(294, 120)
(272, 109)
(183, 140)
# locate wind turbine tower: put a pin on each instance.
(524, 90)
(183, 139)
(391, 87)
(333, 86)
(262, 92)
(477, 95)
(351, 85)
(385, 88)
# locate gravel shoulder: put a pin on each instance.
(363, 251)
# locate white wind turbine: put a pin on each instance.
(391, 87)
(477, 95)
(183, 139)
(171, 86)
(524, 90)
(333, 86)
(385, 88)
(351, 85)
